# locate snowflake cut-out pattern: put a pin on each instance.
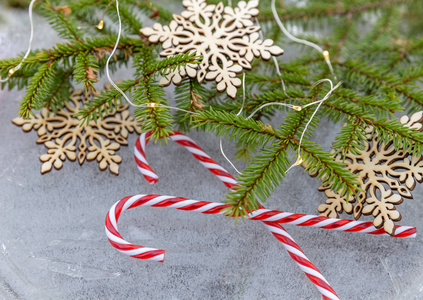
(63, 136)
(225, 37)
(387, 176)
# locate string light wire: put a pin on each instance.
(325, 53)
(275, 61)
(240, 111)
(295, 107)
(151, 105)
(299, 158)
(14, 69)
(100, 24)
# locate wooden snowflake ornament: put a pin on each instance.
(386, 176)
(61, 134)
(226, 38)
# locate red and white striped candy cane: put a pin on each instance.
(270, 218)
(205, 207)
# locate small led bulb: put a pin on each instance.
(100, 25)
(325, 54)
(297, 108)
(299, 161)
(153, 104)
(12, 71)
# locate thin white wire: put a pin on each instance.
(229, 161)
(312, 116)
(295, 39)
(268, 104)
(111, 55)
(243, 94)
(29, 44)
(274, 60)
(288, 34)
(292, 106)
(240, 111)
(114, 84)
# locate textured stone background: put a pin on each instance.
(53, 245)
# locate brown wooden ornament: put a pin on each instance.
(387, 177)
(226, 38)
(63, 136)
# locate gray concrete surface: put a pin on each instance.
(53, 245)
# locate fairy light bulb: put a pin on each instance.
(325, 54)
(12, 71)
(153, 104)
(100, 25)
(297, 108)
(299, 161)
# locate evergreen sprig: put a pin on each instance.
(64, 24)
(38, 90)
(85, 70)
(380, 69)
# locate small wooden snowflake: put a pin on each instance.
(226, 38)
(61, 134)
(386, 176)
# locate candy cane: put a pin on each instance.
(205, 207)
(268, 217)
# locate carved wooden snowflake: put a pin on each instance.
(61, 134)
(386, 175)
(226, 38)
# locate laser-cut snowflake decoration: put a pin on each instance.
(386, 175)
(61, 134)
(226, 38)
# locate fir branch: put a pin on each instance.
(323, 165)
(84, 12)
(235, 128)
(172, 63)
(68, 50)
(105, 102)
(130, 21)
(320, 10)
(154, 119)
(154, 11)
(64, 24)
(258, 180)
(402, 137)
(352, 138)
(187, 97)
(61, 91)
(266, 171)
(85, 70)
(245, 151)
(37, 91)
(371, 77)
(380, 107)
